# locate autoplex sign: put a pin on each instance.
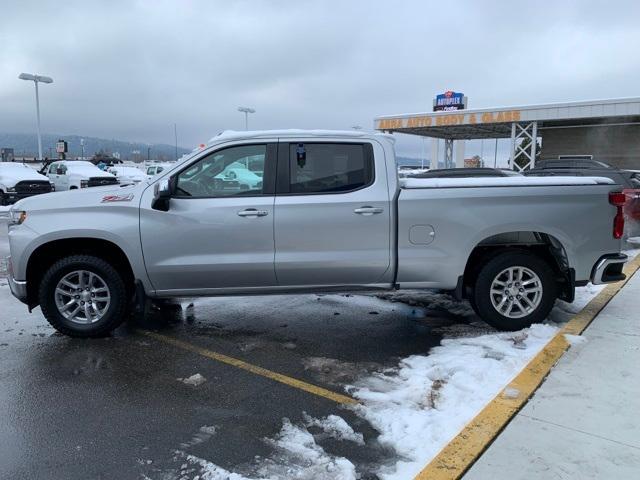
(448, 101)
(441, 120)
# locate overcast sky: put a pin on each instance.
(129, 70)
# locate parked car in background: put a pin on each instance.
(18, 180)
(155, 168)
(127, 174)
(331, 215)
(76, 174)
(582, 167)
(240, 174)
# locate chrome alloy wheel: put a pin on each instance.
(516, 292)
(82, 297)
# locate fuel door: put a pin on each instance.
(421, 234)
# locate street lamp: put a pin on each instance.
(246, 111)
(35, 79)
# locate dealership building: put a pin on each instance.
(607, 130)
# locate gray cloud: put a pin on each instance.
(129, 70)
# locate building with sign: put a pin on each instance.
(608, 130)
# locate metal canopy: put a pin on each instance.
(518, 123)
(496, 122)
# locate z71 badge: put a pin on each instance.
(117, 198)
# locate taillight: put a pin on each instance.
(618, 199)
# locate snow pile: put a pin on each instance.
(419, 406)
(194, 380)
(335, 427)
(296, 455)
(207, 470)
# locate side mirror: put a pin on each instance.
(162, 192)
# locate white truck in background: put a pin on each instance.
(18, 181)
(76, 174)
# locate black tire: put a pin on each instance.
(472, 302)
(490, 271)
(116, 312)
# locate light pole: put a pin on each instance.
(246, 111)
(82, 146)
(35, 79)
(175, 137)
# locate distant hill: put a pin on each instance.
(27, 145)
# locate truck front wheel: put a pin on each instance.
(83, 296)
(514, 290)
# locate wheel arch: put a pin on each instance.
(48, 253)
(543, 244)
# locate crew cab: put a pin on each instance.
(76, 174)
(18, 180)
(330, 214)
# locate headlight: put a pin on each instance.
(17, 217)
(84, 183)
(11, 190)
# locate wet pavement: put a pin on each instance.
(114, 407)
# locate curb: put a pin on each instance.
(465, 448)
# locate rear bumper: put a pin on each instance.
(18, 288)
(608, 269)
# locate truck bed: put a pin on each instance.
(442, 220)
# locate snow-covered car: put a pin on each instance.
(155, 168)
(127, 175)
(18, 180)
(75, 174)
(239, 174)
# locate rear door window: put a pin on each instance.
(329, 167)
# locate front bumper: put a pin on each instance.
(18, 288)
(608, 269)
(12, 197)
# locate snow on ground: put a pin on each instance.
(431, 299)
(194, 380)
(296, 455)
(335, 427)
(424, 402)
(417, 407)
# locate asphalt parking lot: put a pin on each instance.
(115, 407)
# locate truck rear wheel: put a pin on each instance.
(83, 296)
(514, 290)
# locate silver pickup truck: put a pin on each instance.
(323, 212)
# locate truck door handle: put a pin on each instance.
(368, 210)
(252, 212)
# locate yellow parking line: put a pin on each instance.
(263, 372)
(461, 452)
